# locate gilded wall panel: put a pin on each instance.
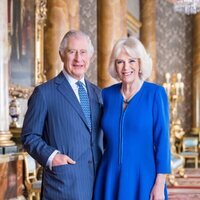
(174, 52)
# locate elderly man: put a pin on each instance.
(61, 128)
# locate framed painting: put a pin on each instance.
(25, 29)
(26, 20)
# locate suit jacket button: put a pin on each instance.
(89, 162)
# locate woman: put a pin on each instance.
(136, 129)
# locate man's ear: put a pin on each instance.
(61, 56)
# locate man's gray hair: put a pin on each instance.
(76, 33)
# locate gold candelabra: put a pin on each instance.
(175, 90)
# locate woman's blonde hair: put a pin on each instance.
(135, 49)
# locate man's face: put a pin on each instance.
(76, 57)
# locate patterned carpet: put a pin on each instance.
(184, 194)
(192, 172)
(188, 188)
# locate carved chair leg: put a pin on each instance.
(30, 196)
(182, 173)
(172, 180)
(37, 195)
(196, 162)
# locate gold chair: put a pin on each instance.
(32, 184)
(190, 149)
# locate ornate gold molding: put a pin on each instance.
(40, 17)
(20, 92)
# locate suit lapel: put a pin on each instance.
(65, 89)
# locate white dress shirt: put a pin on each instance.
(72, 81)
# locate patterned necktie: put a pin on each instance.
(84, 101)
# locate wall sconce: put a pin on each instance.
(175, 90)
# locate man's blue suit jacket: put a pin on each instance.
(55, 121)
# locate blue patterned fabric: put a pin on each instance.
(84, 101)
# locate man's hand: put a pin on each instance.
(61, 159)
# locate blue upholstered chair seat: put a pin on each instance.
(192, 154)
(190, 149)
(37, 184)
(176, 161)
